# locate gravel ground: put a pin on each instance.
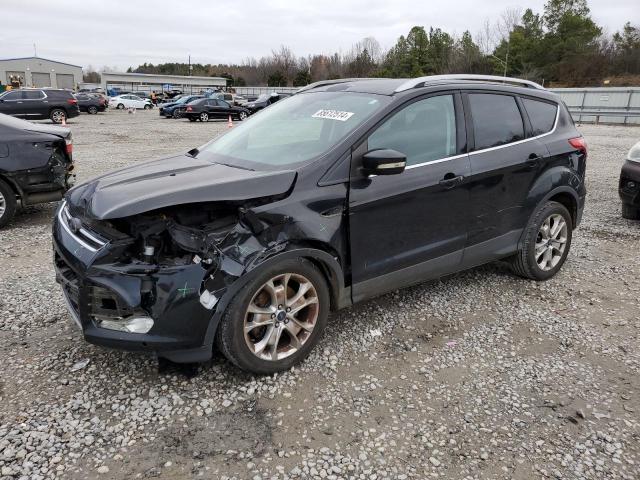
(479, 375)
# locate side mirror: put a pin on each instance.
(384, 162)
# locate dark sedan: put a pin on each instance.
(35, 164)
(629, 187)
(91, 104)
(264, 100)
(206, 109)
(171, 109)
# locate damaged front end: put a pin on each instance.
(151, 281)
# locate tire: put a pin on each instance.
(242, 116)
(120, 106)
(630, 212)
(92, 110)
(175, 114)
(147, 106)
(526, 263)
(203, 117)
(58, 115)
(7, 204)
(240, 349)
(191, 119)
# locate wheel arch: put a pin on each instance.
(13, 186)
(327, 264)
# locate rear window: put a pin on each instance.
(496, 120)
(541, 114)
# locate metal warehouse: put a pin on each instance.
(39, 72)
(147, 82)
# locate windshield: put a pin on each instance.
(184, 99)
(262, 98)
(293, 131)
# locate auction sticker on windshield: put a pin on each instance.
(333, 115)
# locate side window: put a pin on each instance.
(224, 104)
(32, 94)
(423, 131)
(13, 96)
(541, 114)
(496, 120)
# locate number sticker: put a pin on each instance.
(333, 115)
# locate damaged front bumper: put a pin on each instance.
(102, 291)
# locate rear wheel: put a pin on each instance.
(147, 106)
(630, 212)
(175, 114)
(120, 106)
(276, 319)
(58, 115)
(92, 110)
(546, 244)
(204, 117)
(7, 203)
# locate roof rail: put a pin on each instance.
(323, 83)
(422, 81)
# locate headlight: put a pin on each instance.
(634, 153)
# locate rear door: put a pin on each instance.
(32, 102)
(505, 160)
(412, 226)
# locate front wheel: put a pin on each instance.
(242, 116)
(92, 110)
(147, 106)
(120, 106)
(58, 115)
(546, 244)
(7, 204)
(204, 117)
(276, 319)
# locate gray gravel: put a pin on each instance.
(480, 375)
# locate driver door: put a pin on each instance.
(412, 226)
(12, 103)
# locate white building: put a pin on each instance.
(39, 72)
(147, 82)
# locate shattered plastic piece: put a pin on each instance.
(375, 333)
(452, 343)
(80, 364)
(208, 300)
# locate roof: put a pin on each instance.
(38, 58)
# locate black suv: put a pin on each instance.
(36, 164)
(39, 104)
(342, 192)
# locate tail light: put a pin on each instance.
(579, 144)
(189, 109)
(72, 101)
(69, 143)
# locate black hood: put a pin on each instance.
(172, 181)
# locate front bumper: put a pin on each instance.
(629, 185)
(96, 285)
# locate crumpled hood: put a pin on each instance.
(172, 181)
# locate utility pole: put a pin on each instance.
(35, 50)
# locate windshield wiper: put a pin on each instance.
(235, 166)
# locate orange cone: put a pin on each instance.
(230, 122)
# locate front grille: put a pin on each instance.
(86, 237)
(70, 283)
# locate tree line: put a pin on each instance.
(560, 46)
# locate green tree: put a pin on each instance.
(277, 79)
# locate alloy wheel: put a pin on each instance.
(551, 242)
(281, 316)
(204, 117)
(3, 205)
(58, 116)
(243, 115)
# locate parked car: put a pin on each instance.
(130, 101)
(36, 164)
(39, 103)
(169, 110)
(205, 109)
(629, 188)
(264, 100)
(347, 190)
(92, 104)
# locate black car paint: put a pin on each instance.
(34, 161)
(367, 234)
(255, 105)
(215, 108)
(629, 185)
(39, 109)
(167, 109)
(87, 101)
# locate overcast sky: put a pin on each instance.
(122, 33)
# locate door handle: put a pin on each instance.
(450, 180)
(532, 161)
